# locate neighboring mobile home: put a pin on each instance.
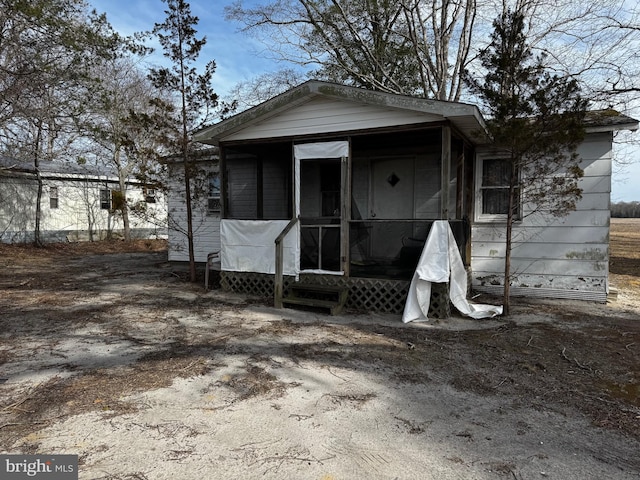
(77, 204)
(351, 181)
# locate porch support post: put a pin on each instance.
(345, 214)
(278, 279)
(445, 172)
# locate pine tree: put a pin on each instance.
(195, 97)
(536, 121)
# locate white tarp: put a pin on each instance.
(319, 150)
(249, 246)
(441, 262)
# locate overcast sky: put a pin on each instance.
(238, 58)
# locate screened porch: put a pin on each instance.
(365, 210)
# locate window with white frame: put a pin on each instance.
(105, 199)
(493, 201)
(53, 197)
(149, 195)
(213, 195)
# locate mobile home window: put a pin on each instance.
(105, 199)
(149, 195)
(494, 190)
(213, 196)
(53, 197)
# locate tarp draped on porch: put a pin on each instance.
(249, 246)
(440, 262)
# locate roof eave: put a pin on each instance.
(631, 126)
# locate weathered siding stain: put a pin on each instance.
(589, 254)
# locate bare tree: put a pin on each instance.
(421, 48)
(411, 47)
(625, 209)
(45, 53)
(121, 92)
(265, 86)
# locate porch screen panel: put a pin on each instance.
(242, 188)
(275, 189)
(360, 190)
(428, 186)
(310, 189)
(318, 150)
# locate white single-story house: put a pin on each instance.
(76, 204)
(349, 181)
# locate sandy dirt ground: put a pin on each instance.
(112, 356)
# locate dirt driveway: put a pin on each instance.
(115, 358)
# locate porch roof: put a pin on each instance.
(608, 121)
(53, 168)
(465, 117)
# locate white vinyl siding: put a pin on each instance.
(206, 225)
(78, 214)
(562, 257)
(324, 115)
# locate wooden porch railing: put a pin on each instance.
(278, 285)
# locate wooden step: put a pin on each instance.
(332, 298)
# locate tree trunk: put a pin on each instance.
(187, 187)
(125, 211)
(37, 240)
(187, 169)
(124, 206)
(507, 268)
(36, 163)
(506, 300)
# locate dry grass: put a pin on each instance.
(624, 245)
(578, 361)
(24, 251)
(625, 237)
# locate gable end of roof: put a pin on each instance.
(314, 88)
